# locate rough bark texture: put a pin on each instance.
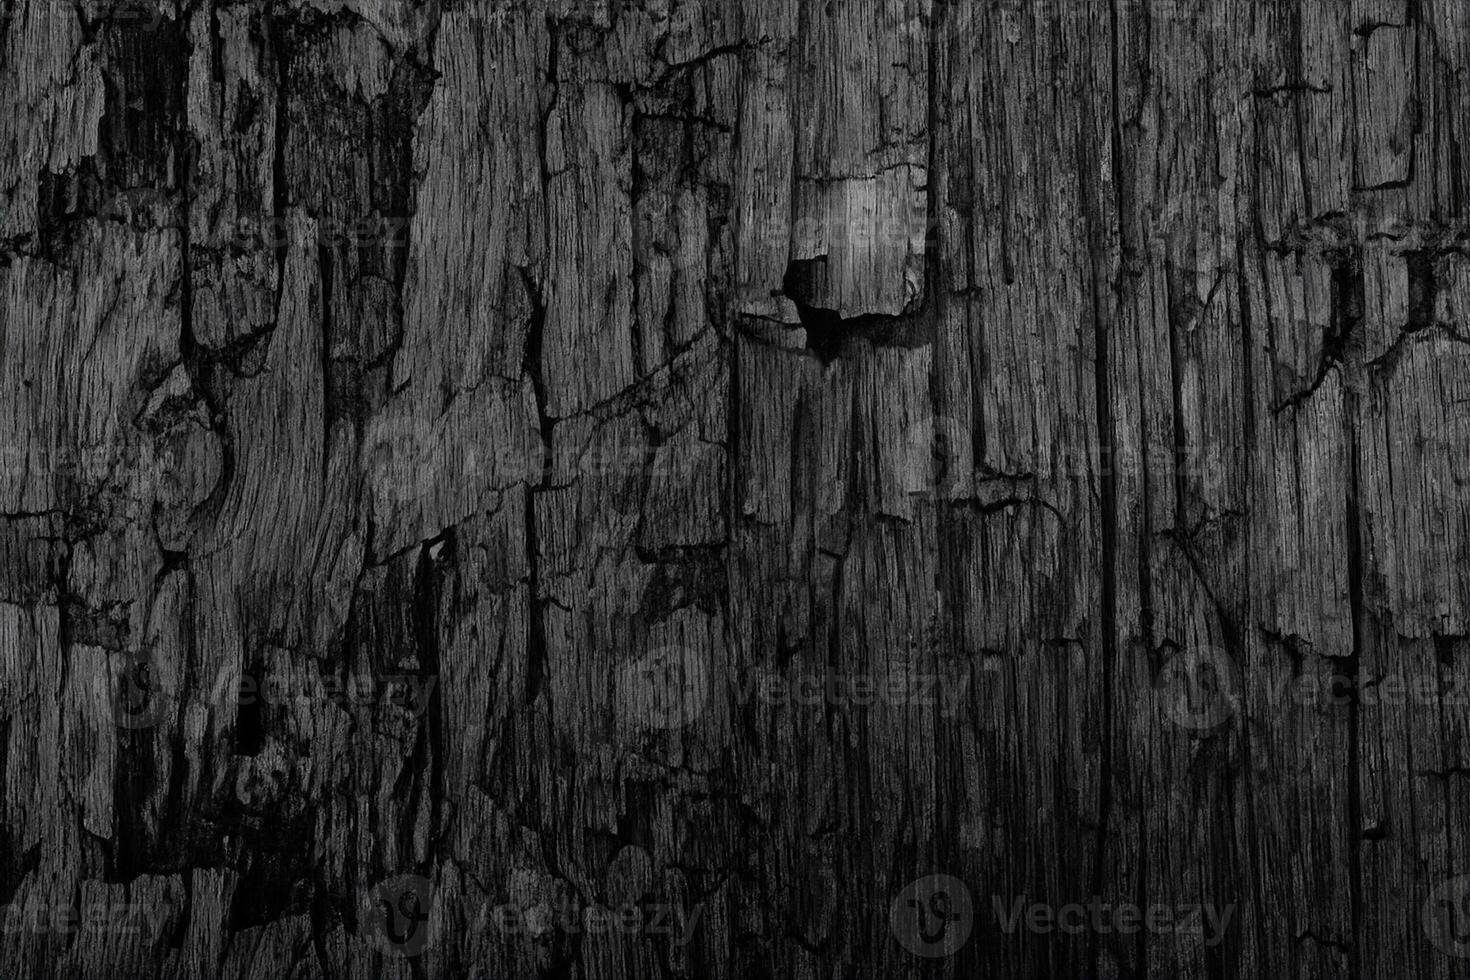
(472, 469)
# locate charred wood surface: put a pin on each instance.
(734, 488)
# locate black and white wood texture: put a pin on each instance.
(734, 488)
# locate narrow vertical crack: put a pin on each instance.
(332, 396)
(280, 183)
(538, 481)
(434, 556)
(1347, 306)
(1106, 436)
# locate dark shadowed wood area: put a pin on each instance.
(602, 489)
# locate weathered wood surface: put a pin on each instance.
(586, 488)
